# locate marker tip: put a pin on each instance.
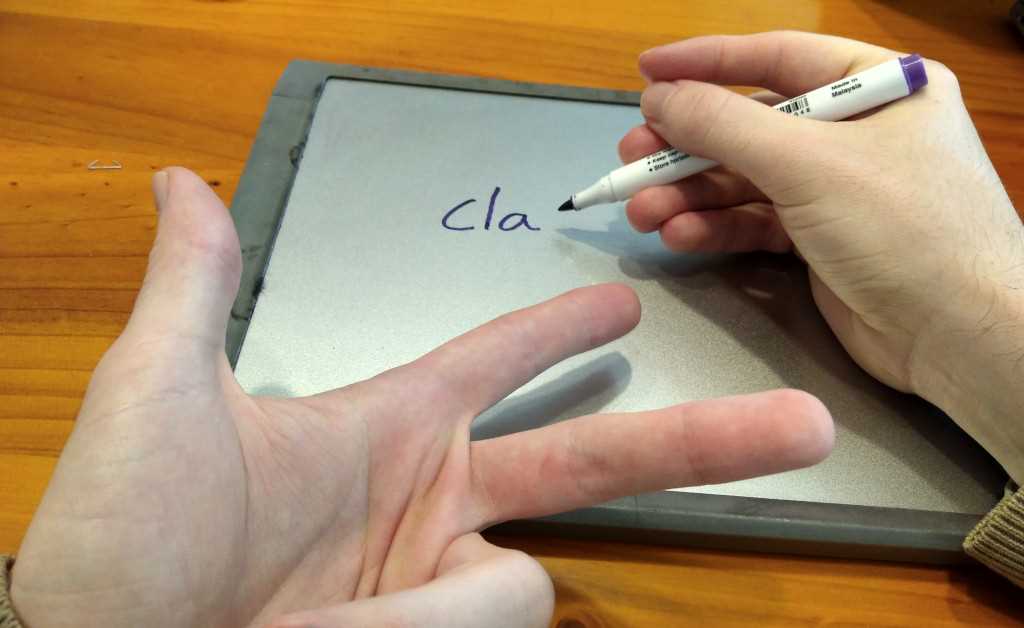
(566, 206)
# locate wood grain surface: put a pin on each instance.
(153, 84)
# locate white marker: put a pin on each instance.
(846, 97)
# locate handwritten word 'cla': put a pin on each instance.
(509, 222)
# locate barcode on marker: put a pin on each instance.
(797, 106)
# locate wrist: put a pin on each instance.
(970, 363)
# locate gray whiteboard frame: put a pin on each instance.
(694, 519)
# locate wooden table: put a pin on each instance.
(152, 84)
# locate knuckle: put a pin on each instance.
(642, 214)
(218, 247)
(673, 238)
(940, 75)
(195, 229)
(702, 111)
(692, 457)
(586, 466)
(679, 241)
(212, 247)
(696, 102)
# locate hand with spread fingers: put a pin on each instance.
(914, 250)
(180, 500)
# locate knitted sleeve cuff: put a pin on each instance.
(7, 617)
(998, 539)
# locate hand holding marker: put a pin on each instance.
(846, 97)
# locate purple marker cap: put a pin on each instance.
(913, 71)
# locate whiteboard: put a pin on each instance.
(366, 275)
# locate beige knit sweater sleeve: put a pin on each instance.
(998, 539)
(7, 617)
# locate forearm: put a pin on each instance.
(972, 367)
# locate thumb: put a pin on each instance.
(478, 584)
(713, 122)
(194, 266)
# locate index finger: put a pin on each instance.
(788, 62)
(641, 140)
(483, 366)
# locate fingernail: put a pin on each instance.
(160, 185)
(640, 66)
(652, 49)
(653, 98)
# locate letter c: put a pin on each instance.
(451, 212)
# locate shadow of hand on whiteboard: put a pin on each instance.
(763, 302)
(641, 256)
(583, 390)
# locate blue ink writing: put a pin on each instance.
(523, 222)
(490, 208)
(509, 222)
(444, 221)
